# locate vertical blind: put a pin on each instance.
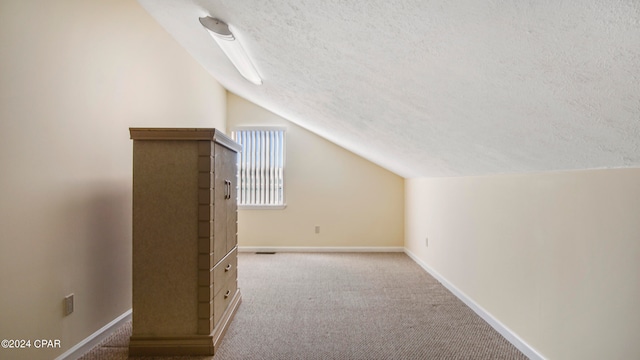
(261, 167)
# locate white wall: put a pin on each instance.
(555, 257)
(355, 202)
(75, 75)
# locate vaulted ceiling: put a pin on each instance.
(438, 88)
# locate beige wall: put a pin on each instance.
(355, 203)
(74, 76)
(555, 257)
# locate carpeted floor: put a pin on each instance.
(342, 306)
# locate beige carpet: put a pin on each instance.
(342, 306)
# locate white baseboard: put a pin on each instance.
(94, 339)
(247, 249)
(509, 335)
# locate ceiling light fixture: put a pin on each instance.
(220, 32)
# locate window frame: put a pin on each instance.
(283, 129)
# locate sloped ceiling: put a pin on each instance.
(439, 88)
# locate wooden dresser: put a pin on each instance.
(185, 290)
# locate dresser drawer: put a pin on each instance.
(225, 270)
(222, 299)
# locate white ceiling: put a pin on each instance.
(439, 88)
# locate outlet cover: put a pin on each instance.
(317, 229)
(68, 304)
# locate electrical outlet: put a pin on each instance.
(68, 304)
(426, 241)
(317, 229)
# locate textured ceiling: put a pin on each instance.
(439, 88)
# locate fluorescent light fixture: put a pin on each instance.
(231, 47)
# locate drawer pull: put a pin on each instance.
(227, 268)
(226, 295)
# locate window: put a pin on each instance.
(260, 167)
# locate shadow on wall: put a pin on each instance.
(110, 251)
(102, 252)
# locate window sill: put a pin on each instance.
(262, 207)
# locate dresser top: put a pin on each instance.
(211, 134)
